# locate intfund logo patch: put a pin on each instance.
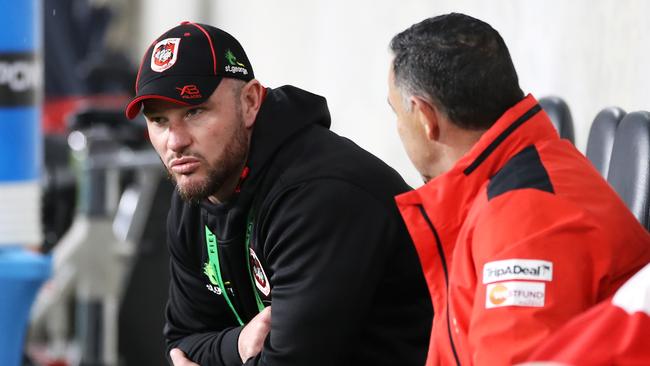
(515, 293)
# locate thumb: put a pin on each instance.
(179, 359)
(266, 314)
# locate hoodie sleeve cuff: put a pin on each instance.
(230, 348)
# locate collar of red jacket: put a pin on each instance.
(520, 126)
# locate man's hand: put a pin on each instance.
(251, 338)
(179, 359)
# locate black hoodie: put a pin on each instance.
(326, 247)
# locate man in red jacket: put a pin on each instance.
(516, 231)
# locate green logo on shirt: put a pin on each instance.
(208, 270)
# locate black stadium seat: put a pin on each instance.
(629, 169)
(601, 138)
(559, 113)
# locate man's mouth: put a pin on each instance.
(184, 165)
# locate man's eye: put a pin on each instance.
(193, 112)
(156, 120)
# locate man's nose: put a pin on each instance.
(179, 137)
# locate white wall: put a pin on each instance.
(154, 17)
(593, 53)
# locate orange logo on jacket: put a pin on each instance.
(498, 294)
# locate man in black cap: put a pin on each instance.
(272, 208)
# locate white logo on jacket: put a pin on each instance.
(517, 269)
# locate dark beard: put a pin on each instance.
(220, 171)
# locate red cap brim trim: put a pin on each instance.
(133, 108)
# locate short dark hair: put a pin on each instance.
(461, 65)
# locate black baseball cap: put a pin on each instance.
(186, 64)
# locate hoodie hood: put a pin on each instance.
(285, 112)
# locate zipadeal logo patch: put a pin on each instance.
(517, 269)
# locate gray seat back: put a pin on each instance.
(559, 113)
(629, 168)
(601, 138)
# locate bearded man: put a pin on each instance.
(272, 208)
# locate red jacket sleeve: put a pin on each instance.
(616, 332)
(533, 273)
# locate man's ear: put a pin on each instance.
(252, 95)
(427, 115)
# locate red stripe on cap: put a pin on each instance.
(133, 108)
(207, 35)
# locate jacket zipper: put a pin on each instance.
(444, 269)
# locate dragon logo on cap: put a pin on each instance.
(165, 54)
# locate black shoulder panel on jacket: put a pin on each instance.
(524, 170)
